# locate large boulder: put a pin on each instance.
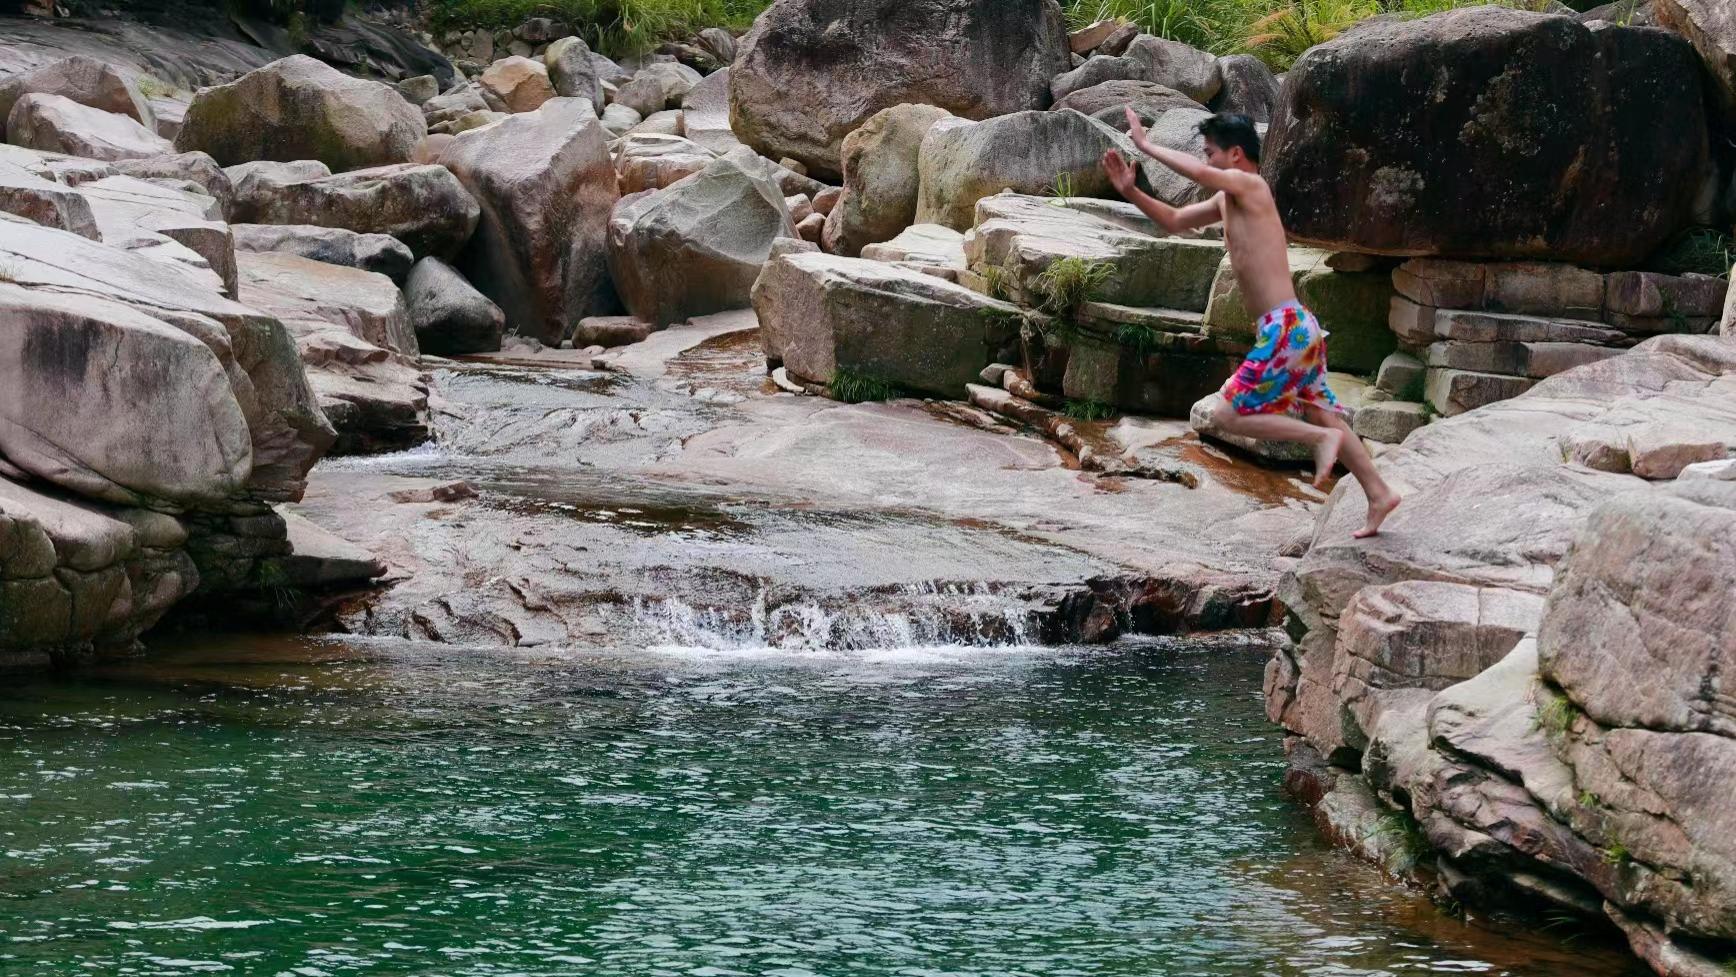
(522, 85)
(822, 316)
(1711, 27)
(1107, 102)
(697, 247)
(1249, 87)
(60, 125)
(77, 366)
(546, 186)
(812, 71)
(573, 72)
(1356, 153)
(300, 108)
(1059, 153)
(27, 195)
(1096, 71)
(421, 204)
(880, 178)
(179, 227)
(647, 162)
(1173, 64)
(84, 80)
(449, 316)
(196, 168)
(658, 87)
(379, 253)
(705, 114)
(287, 431)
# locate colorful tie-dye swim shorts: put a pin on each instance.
(1286, 370)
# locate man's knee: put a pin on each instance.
(1224, 413)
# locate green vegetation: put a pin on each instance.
(1398, 834)
(1136, 337)
(615, 27)
(1062, 190)
(996, 280)
(857, 387)
(1068, 283)
(1275, 31)
(1616, 853)
(1089, 410)
(151, 86)
(1555, 712)
(1589, 799)
(1701, 251)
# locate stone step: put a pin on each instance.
(1161, 320)
(1534, 360)
(1420, 325)
(1452, 392)
(1389, 422)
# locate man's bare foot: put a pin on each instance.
(1326, 455)
(1378, 510)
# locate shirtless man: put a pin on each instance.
(1285, 374)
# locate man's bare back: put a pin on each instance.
(1259, 255)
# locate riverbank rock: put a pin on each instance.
(823, 316)
(421, 204)
(521, 85)
(26, 195)
(55, 124)
(300, 108)
(79, 578)
(705, 114)
(449, 316)
(812, 71)
(1711, 28)
(1108, 102)
(573, 72)
(1621, 104)
(881, 179)
(1059, 153)
(657, 87)
(195, 168)
(647, 162)
(1175, 65)
(1097, 70)
(78, 364)
(286, 430)
(1249, 87)
(84, 80)
(546, 186)
(380, 253)
(1589, 757)
(353, 332)
(697, 247)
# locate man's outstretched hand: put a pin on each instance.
(1120, 173)
(1136, 132)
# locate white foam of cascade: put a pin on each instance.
(923, 615)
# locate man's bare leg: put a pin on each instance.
(1325, 439)
(1381, 498)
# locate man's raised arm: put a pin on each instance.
(1197, 170)
(1171, 219)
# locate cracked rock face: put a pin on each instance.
(1591, 767)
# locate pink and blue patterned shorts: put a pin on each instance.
(1286, 370)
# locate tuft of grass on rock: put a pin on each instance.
(1555, 712)
(1069, 283)
(1142, 339)
(1699, 251)
(856, 387)
(1089, 410)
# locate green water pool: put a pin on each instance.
(384, 808)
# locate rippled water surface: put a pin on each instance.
(321, 809)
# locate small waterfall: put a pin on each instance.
(928, 614)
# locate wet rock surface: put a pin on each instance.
(673, 497)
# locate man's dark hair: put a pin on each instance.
(1230, 129)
